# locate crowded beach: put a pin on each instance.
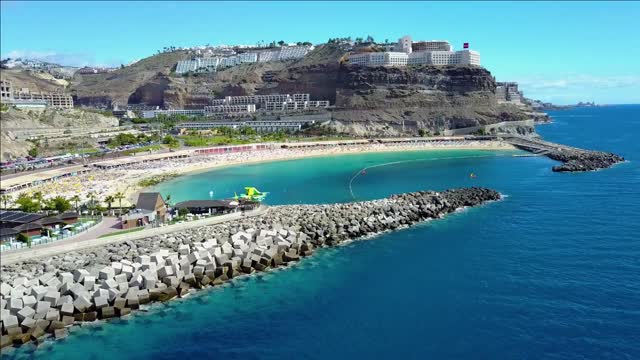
(127, 175)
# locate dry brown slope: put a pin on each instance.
(118, 85)
(26, 79)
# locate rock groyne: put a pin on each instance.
(575, 160)
(44, 296)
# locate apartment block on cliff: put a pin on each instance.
(508, 92)
(54, 99)
(212, 64)
(25, 98)
(6, 91)
(406, 52)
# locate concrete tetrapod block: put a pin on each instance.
(44, 278)
(28, 324)
(121, 278)
(107, 312)
(82, 304)
(67, 320)
(120, 303)
(17, 292)
(198, 271)
(113, 294)
(101, 301)
(54, 283)
(65, 277)
(3, 304)
(193, 257)
(42, 324)
(5, 340)
(5, 289)
(60, 333)
(107, 272)
(39, 292)
(143, 296)
(20, 281)
(165, 271)
(136, 280)
(122, 288)
(117, 267)
(79, 274)
(143, 259)
(90, 316)
(66, 299)
(52, 315)
(15, 305)
(149, 282)
(42, 306)
(24, 313)
(89, 281)
(14, 332)
(109, 284)
(133, 302)
(100, 292)
(127, 271)
(29, 301)
(67, 309)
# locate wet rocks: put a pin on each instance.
(575, 160)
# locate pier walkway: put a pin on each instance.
(537, 146)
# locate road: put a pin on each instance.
(75, 244)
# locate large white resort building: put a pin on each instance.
(239, 105)
(406, 52)
(211, 64)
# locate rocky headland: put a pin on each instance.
(44, 296)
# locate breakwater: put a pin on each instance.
(582, 160)
(573, 159)
(43, 296)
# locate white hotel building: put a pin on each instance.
(405, 52)
(211, 64)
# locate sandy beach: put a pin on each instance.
(126, 179)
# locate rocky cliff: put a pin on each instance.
(434, 98)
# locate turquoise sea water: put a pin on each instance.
(552, 271)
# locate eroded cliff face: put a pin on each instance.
(392, 101)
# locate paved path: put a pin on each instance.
(108, 225)
(76, 244)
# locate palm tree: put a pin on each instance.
(92, 200)
(5, 198)
(76, 200)
(119, 196)
(168, 199)
(109, 200)
(37, 196)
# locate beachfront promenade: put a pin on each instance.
(63, 246)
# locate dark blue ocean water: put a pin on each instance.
(552, 271)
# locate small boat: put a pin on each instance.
(472, 176)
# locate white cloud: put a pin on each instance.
(581, 87)
(581, 80)
(68, 59)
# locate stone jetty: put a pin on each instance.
(583, 160)
(43, 297)
(573, 159)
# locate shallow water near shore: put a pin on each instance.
(552, 271)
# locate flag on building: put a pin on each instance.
(465, 45)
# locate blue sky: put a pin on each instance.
(560, 52)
